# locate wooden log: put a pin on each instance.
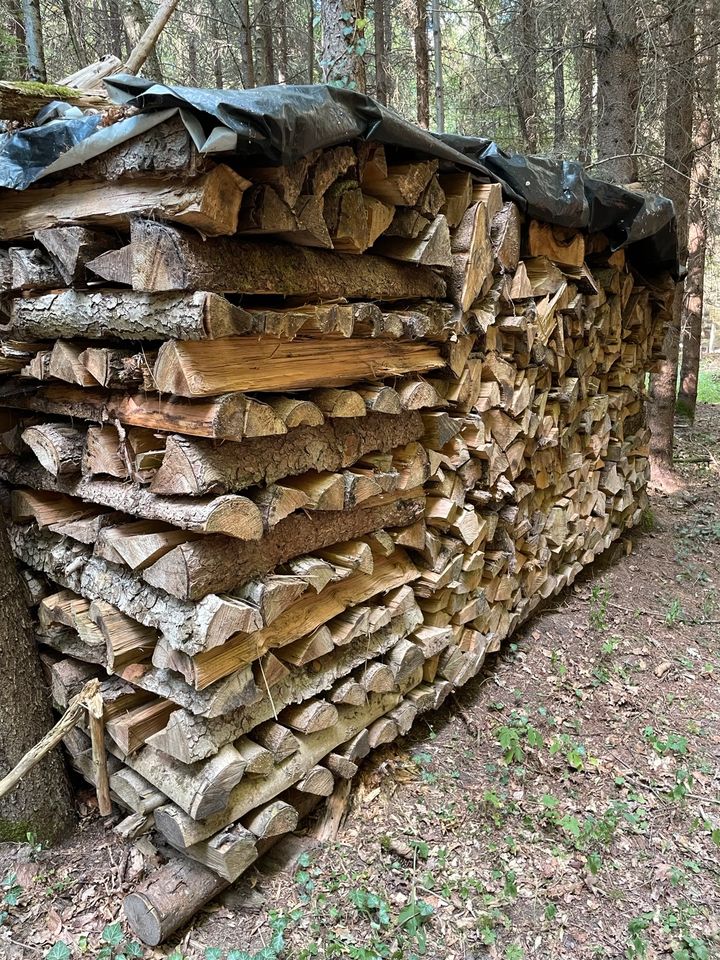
(431, 247)
(280, 742)
(127, 315)
(170, 898)
(21, 100)
(33, 270)
(318, 781)
(131, 730)
(263, 211)
(216, 564)
(346, 216)
(561, 245)
(114, 265)
(135, 792)
(233, 515)
(233, 416)
(71, 248)
(210, 203)
(229, 853)
(472, 257)
(124, 369)
(58, 446)
(168, 259)
(212, 367)
(402, 185)
(271, 819)
(127, 640)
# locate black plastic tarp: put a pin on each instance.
(279, 124)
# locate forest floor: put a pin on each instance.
(565, 804)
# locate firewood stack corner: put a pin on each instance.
(287, 451)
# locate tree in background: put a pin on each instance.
(700, 176)
(343, 43)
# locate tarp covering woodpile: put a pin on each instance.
(304, 410)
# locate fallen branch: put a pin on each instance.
(51, 739)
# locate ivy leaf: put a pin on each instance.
(112, 934)
(61, 951)
(213, 953)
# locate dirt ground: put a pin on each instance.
(565, 804)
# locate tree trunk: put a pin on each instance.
(311, 42)
(678, 152)
(585, 73)
(42, 803)
(80, 57)
(618, 89)
(381, 71)
(557, 60)
(216, 48)
(193, 76)
(343, 61)
(692, 316)
(526, 74)
(284, 68)
(437, 49)
(422, 64)
(248, 67)
(34, 40)
(136, 26)
(266, 17)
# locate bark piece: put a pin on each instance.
(72, 247)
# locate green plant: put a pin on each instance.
(517, 736)
(675, 613)
(11, 893)
(115, 946)
(599, 599)
(637, 947)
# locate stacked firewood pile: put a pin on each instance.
(288, 451)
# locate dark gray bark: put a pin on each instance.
(618, 89)
(41, 804)
(34, 46)
(422, 64)
(343, 62)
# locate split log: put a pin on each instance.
(472, 257)
(210, 203)
(431, 247)
(231, 417)
(58, 446)
(127, 315)
(217, 564)
(33, 270)
(72, 247)
(216, 367)
(165, 258)
(233, 515)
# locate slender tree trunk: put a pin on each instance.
(381, 72)
(585, 74)
(118, 36)
(80, 58)
(617, 54)
(678, 153)
(437, 62)
(343, 61)
(41, 804)
(557, 59)
(266, 16)
(422, 63)
(526, 74)
(192, 55)
(692, 315)
(311, 42)
(248, 67)
(217, 49)
(136, 26)
(34, 40)
(284, 68)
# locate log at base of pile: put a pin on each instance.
(282, 486)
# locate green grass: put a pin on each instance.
(709, 387)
